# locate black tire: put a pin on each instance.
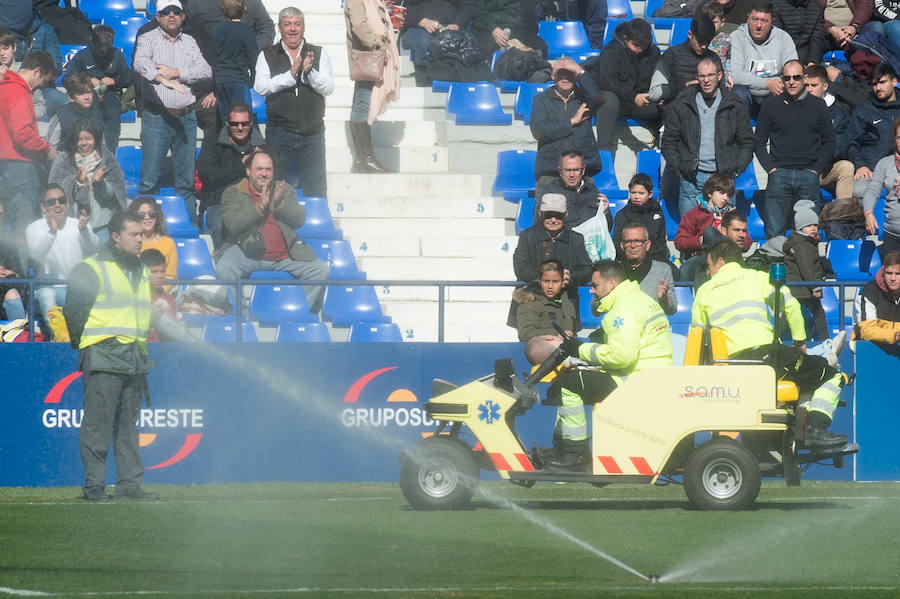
(722, 474)
(439, 474)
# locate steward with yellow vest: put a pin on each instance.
(108, 315)
(739, 301)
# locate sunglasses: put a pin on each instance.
(61, 200)
(150, 214)
(238, 123)
(556, 215)
(171, 11)
(794, 77)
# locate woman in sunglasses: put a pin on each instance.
(91, 177)
(153, 223)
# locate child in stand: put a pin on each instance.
(642, 209)
(84, 105)
(236, 54)
(539, 308)
(166, 324)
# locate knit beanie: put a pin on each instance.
(805, 214)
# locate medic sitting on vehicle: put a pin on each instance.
(636, 336)
(739, 301)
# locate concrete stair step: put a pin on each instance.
(390, 134)
(481, 294)
(479, 247)
(438, 269)
(436, 187)
(408, 97)
(360, 229)
(342, 113)
(387, 247)
(410, 206)
(432, 159)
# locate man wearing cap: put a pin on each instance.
(553, 239)
(168, 63)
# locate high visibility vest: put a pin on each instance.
(119, 311)
(740, 301)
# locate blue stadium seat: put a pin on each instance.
(221, 329)
(67, 52)
(588, 320)
(344, 306)
(835, 55)
(746, 181)
(151, 8)
(851, 259)
(318, 223)
(832, 308)
(194, 259)
(878, 211)
(102, 11)
(564, 36)
(580, 57)
(476, 104)
(752, 207)
(525, 98)
(258, 104)
(651, 7)
(342, 261)
(680, 29)
(649, 162)
(515, 172)
(368, 332)
(302, 332)
(619, 9)
(129, 158)
(684, 297)
(671, 221)
(270, 275)
(126, 29)
(606, 180)
(274, 304)
(440, 87)
(525, 213)
(178, 222)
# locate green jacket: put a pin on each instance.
(636, 330)
(536, 314)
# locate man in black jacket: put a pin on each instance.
(706, 112)
(623, 71)
(424, 18)
(804, 20)
(677, 68)
(871, 133)
(222, 161)
(582, 196)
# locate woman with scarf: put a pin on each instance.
(887, 177)
(369, 29)
(154, 235)
(91, 177)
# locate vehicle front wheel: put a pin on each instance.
(722, 474)
(439, 473)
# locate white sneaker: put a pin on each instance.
(837, 344)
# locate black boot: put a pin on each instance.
(817, 433)
(573, 456)
(365, 161)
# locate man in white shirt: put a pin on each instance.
(295, 77)
(56, 243)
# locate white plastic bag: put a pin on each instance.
(597, 240)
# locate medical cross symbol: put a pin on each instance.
(488, 412)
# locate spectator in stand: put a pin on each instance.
(654, 277)
(871, 129)
(844, 19)
(222, 162)
(561, 121)
(721, 42)
(624, 71)
(56, 243)
(758, 52)
(110, 75)
(839, 176)
(236, 54)
(592, 13)
(21, 145)
(886, 177)
(677, 67)
(878, 307)
(16, 16)
(11, 305)
(884, 22)
(295, 76)
(796, 127)
(369, 28)
(83, 106)
(702, 225)
(43, 37)
(582, 196)
(707, 131)
(424, 18)
(499, 21)
(553, 239)
(543, 303)
(803, 263)
(166, 324)
(209, 14)
(804, 21)
(168, 62)
(735, 13)
(91, 177)
(153, 232)
(261, 217)
(643, 209)
(733, 228)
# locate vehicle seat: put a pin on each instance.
(787, 391)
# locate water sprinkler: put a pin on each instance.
(653, 578)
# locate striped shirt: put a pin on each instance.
(156, 48)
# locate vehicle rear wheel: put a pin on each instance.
(439, 473)
(722, 474)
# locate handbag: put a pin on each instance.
(367, 65)
(252, 244)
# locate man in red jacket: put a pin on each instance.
(20, 143)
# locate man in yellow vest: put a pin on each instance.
(108, 315)
(636, 336)
(739, 301)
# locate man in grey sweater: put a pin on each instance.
(654, 277)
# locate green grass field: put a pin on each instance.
(362, 540)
